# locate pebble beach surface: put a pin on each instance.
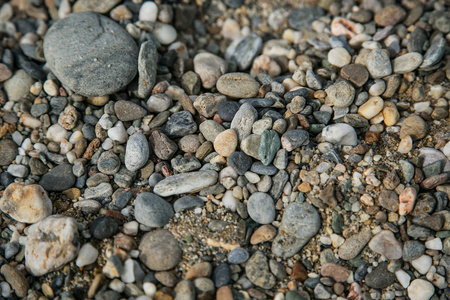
(225, 149)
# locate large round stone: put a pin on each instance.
(91, 54)
(159, 250)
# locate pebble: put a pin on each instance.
(199, 270)
(151, 210)
(137, 152)
(102, 66)
(104, 227)
(340, 94)
(420, 289)
(386, 244)
(390, 15)
(299, 224)
(221, 275)
(129, 111)
(18, 86)
(26, 203)
(304, 17)
(207, 104)
(179, 125)
(261, 208)
(58, 179)
(263, 234)
(339, 57)
(407, 199)
(148, 12)
(407, 62)
(378, 64)
(185, 183)
(340, 134)
(165, 34)
(354, 244)
(257, 270)
(87, 255)
(209, 67)
(8, 152)
(240, 162)
(187, 203)
(238, 256)
(243, 120)
(293, 139)
(356, 74)
(20, 171)
(163, 147)
(159, 250)
(159, 102)
(243, 51)
(238, 85)
(371, 108)
(415, 127)
(225, 142)
(434, 54)
(108, 163)
(16, 279)
(380, 277)
(270, 144)
(422, 264)
(227, 110)
(337, 272)
(44, 255)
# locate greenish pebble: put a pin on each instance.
(270, 144)
(316, 128)
(337, 224)
(433, 169)
(443, 234)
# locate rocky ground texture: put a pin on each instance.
(225, 149)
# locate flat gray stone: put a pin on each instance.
(261, 208)
(151, 210)
(299, 224)
(379, 64)
(91, 54)
(137, 152)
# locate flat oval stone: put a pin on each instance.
(91, 54)
(261, 208)
(434, 54)
(270, 144)
(379, 64)
(238, 85)
(151, 210)
(185, 183)
(407, 63)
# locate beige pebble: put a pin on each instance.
(371, 108)
(199, 270)
(407, 198)
(226, 142)
(390, 113)
(263, 234)
(339, 57)
(405, 145)
(30, 121)
(51, 88)
(97, 101)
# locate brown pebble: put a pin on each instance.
(160, 295)
(434, 181)
(224, 293)
(5, 72)
(355, 73)
(95, 285)
(391, 15)
(263, 234)
(199, 270)
(337, 272)
(371, 137)
(90, 150)
(436, 77)
(299, 272)
(125, 242)
(16, 279)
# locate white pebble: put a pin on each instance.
(5, 288)
(165, 33)
(149, 289)
(148, 12)
(71, 157)
(339, 57)
(420, 289)
(434, 244)
(252, 177)
(378, 87)
(17, 137)
(75, 137)
(229, 201)
(106, 122)
(18, 171)
(56, 133)
(107, 144)
(131, 228)
(118, 133)
(403, 278)
(422, 264)
(117, 285)
(87, 255)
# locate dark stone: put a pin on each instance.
(240, 162)
(221, 275)
(227, 110)
(179, 125)
(58, 179)
(104, 227)
(380, 277)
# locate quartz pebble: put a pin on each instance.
(340, 134)
(26, 203)
(339, 57)
(185, 183)
(87, 255)
(43, 255)
(420, 289)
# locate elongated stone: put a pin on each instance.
(270, 144)
(185, 183)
